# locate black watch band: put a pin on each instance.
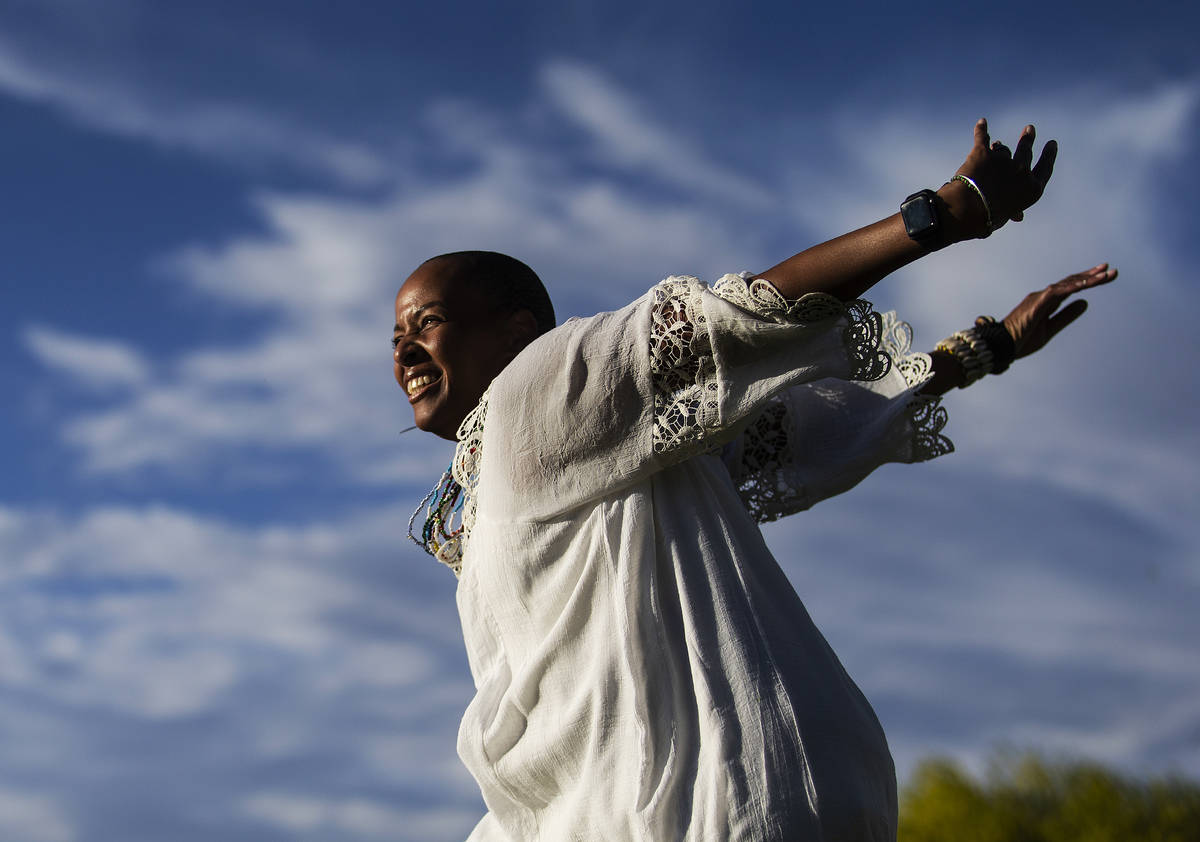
(920, 214)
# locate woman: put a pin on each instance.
(644, 669)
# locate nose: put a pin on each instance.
(410, 353)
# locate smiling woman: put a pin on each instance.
(644, 669)
(460, 318)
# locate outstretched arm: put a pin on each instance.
(1031, 324)
(849, 265)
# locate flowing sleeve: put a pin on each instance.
(600, 403)
(814, 440)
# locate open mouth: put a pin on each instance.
(419, 385)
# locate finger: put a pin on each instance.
(1068, 286)
(1064, 317)
(1094, 277)
(1023, 154)
(981, 134)
(1045, 165)
(1000, 149)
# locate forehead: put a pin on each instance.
(438, 282)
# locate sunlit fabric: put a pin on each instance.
(644, 669)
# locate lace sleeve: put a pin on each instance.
(690, 404)
(598, 403)
(817, 440)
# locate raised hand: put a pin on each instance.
(1009, 179)
(1034, 321)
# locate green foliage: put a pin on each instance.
(1026, 798)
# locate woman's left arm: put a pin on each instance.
(1031, 324)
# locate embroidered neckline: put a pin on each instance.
(454, 495)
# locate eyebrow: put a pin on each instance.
(418, 311)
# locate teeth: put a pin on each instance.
(417, 382)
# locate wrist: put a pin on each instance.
(964, 215)
(987, 347)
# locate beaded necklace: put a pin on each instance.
(439, 536)
(452, 498)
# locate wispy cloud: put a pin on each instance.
(1063, 412)
(326, 270)
(1062, 622)
(235, 134)
(94, 362)
(357, 816)
(627, 135)
(325, 648)
(33, 817)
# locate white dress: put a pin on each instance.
(644, 669)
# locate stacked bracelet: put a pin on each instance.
(986, 348)
(998, 340)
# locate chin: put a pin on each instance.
(431, 423)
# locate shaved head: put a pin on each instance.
(508, 284)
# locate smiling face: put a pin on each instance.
(449, 343)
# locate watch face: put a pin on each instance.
(920, 216)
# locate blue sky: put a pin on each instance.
(211, 625)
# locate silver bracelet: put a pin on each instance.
(987, 210)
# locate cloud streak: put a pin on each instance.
(304, 644)
(222, 131)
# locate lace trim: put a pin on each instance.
(896, 341)
(468, 454)
(760, 297)
(925, 412)
(686, 389)
(928, 417)
(766, 449)
(862, 337)
(764, 486)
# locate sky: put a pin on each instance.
(212, 625)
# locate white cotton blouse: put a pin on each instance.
(644, 669)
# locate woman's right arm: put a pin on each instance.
(1031, 324)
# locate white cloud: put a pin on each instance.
(359, 817)
(1015, 611)
(1105, 407)
(91, 361)
(227, 132)
(327, 269)
(171, 608)
(33, 818)
(142, 638)
(625, 133)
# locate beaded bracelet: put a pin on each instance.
(986, 348)
(999, 341)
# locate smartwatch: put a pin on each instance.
(920, 214)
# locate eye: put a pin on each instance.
(396, 340)
(426, 321)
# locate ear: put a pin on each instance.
(519, 330)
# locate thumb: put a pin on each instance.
(1065, 316)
